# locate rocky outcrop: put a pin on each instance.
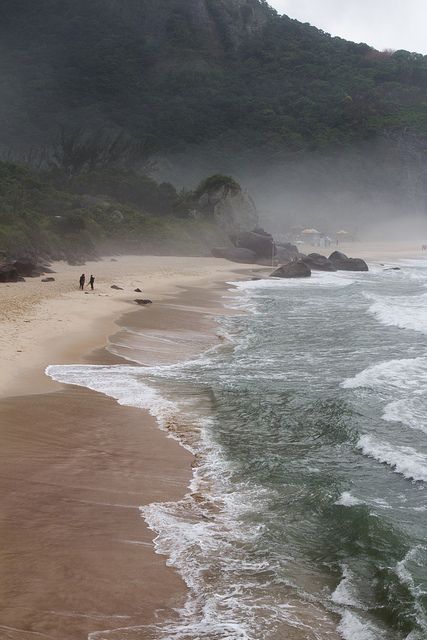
(235, 254)
(260, 242)
(287, 252)
(233, 210)
(17, 270)
(143, 302)
(317, 262)
(9, 273)
(342, 262)
(296, 269)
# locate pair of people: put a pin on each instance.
(83, 280)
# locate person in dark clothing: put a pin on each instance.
(82, 281)
(91, 281)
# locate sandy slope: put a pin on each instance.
(45, 323)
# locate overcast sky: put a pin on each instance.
(384, 24)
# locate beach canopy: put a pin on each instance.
(310, 232)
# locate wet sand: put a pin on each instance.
(76, 556)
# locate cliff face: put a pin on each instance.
(214, 25)
(233, 210)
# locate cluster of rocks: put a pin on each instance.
(252, 247)
(18, 270)
(302, 266)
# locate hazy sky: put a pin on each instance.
(384, 24)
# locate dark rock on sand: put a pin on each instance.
(9, 273)
(142, 302)
(235, 254)
(296, 269)
(317, 262)
(114, 286)
(138, 290)
(28, 268)
(342, 262)
(286, 251)
(48, 279)
(392, 269)
(260, 242)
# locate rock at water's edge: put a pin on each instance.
(297, 269)
(342, 262)
(317, 262)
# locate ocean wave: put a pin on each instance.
(416, 557)
(409, 411)
(403, 460)
(404, 382)
(318, 278)
(405, 312)
(347, 500)
(404, 373)
(346, 593)
(121, 382)
(354, 627)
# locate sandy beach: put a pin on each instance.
(76, 556)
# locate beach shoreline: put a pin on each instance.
(76, 465)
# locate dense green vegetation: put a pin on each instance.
(175, 74)
(95, 94)
(53, 216)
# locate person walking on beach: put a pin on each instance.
(82, 281)
(91, 281)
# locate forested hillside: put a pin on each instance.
(175, 73)
(312, 124)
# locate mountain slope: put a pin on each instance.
(184, 73)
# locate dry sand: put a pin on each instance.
(44, 323)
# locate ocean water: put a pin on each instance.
(306, 517)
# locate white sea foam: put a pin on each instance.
(346, 594)
(125, 384)
(403, 460)
(354, 627)
(318, 278)
(409, 411)
(404, 381)
(405, 312)
(347, 500)
(415, 556)
(406, 373)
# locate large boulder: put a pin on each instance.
(296, 269)
(9, 273)
(28, 268)
(317, 262)
(286, 251)
(261, 244)
(342, 262)
(232, 208)
(235, 254)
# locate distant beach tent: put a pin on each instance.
(311, 232)
(311, 236)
